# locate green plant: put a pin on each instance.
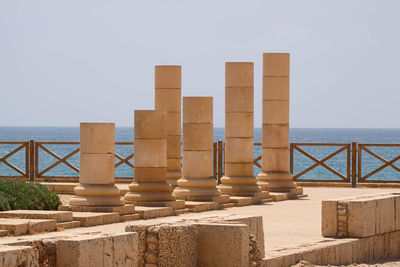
(4, 202)
(29, 196)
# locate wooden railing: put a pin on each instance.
(350, 170)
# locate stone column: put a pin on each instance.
(96, 180)
(275, 176)
(150, 187)
(239, 177)
(197, 183)
(168, 97)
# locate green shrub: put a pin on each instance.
(4, 202)
(29, 196)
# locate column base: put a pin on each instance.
(173, 177)
(175, 204)
(197, 189)
(245, 186)
(96, 195)
(276, 182)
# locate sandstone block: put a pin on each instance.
(174, 164)
(18, 256)
(397, 211)
(276, 88)
(275, 135)
(168, 99)
(239, 150)
(174, 146)
(275, 112)
(96, 168)
(234, 238)
(197, 163)
(197, 136)
(59, 216)
(238, 74)
(174, 123)
(125, 249)
(239, 169)
(150, 124)
(379, 247)
(97, 137)
(239, 99)
(361, 218)
(276, 64)
(276, 160)
(168, 76)
(385, 215)
(150, 174)
(239, 125)
(329, 218)
(177, 245)
(151, 152)
(197, 109)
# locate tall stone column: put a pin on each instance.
(168, 97)
(239, 177)
(197, 183)
(150, 187)
(275, 176)
(97, 177)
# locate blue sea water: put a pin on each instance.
(297, 135)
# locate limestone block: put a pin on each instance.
(361, 218)
(329, 218)
(326, 255)
(150, 124)
(11, 256)
(276, 88)
(394, 245)
(276, 64)
(239, 99)
(197, 136)
(141, 230)
(275, 135)
(239, 150)
(239, 74)
(239, 125)
(174, 146)
(168, 76)
(364, 251)
(234, 238)
(385, 215)
(151, 152)
(125, 249)
(96, 168)
(275, 112)
(168, 99)
(239, 169)
(177, 245)
(197, 164)
(150, 174)
(80, 251)
(275, 159)
(59, 216)
(97, 137)
(197, 109)
(344, 252)
(379, 247)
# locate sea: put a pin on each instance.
(297, 135)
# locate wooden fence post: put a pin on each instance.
(31, 160)
(354, 164)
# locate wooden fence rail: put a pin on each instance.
(352, 163)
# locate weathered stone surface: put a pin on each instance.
(385, 214)
(329, 218)
(234, 238)
(11, 256)
(59, 216)
(97, 138)
(95, 218)
(153, 212)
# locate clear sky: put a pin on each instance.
(63, 62)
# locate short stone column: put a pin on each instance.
(150, 187)
(275, 176)
(97, 177)
(168, 97)
(197, 183)
(239, 177)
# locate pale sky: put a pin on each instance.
(63, 62)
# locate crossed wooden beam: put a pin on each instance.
(15, 168)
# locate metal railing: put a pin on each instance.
(350, 169)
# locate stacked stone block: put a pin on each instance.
(197, 183)
(150, 187)
(97, 180)
(168, 98)
(239, 179)
(275, 176)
